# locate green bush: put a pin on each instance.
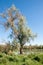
(16, 59)
(3, 60)
(21, 59)
(1, 55)
(0, 60)
(10, 58)
(24, 59)
(37, 58)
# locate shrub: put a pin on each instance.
(3, 60)
(0, 60)
(36, 58)
(10, 58)
(31, 56)
(23, 64)
(16, 59)
(1, 55)
(24, 58)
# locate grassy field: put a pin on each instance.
(31, 59)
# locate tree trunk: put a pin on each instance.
(21, 49)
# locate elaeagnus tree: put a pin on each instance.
(15, 21)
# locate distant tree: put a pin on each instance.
(17, 23)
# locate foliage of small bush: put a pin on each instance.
(3, 60)
(11, 59)
(1, 56)
(21, 59)
(36, 58)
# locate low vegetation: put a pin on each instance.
(30, 59)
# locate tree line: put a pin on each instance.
(8, 47)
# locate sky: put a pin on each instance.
(32, 10)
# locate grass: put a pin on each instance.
(31, 59)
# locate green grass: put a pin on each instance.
(32, 59)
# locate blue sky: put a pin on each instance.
(32, 10)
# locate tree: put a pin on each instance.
(17, 23)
